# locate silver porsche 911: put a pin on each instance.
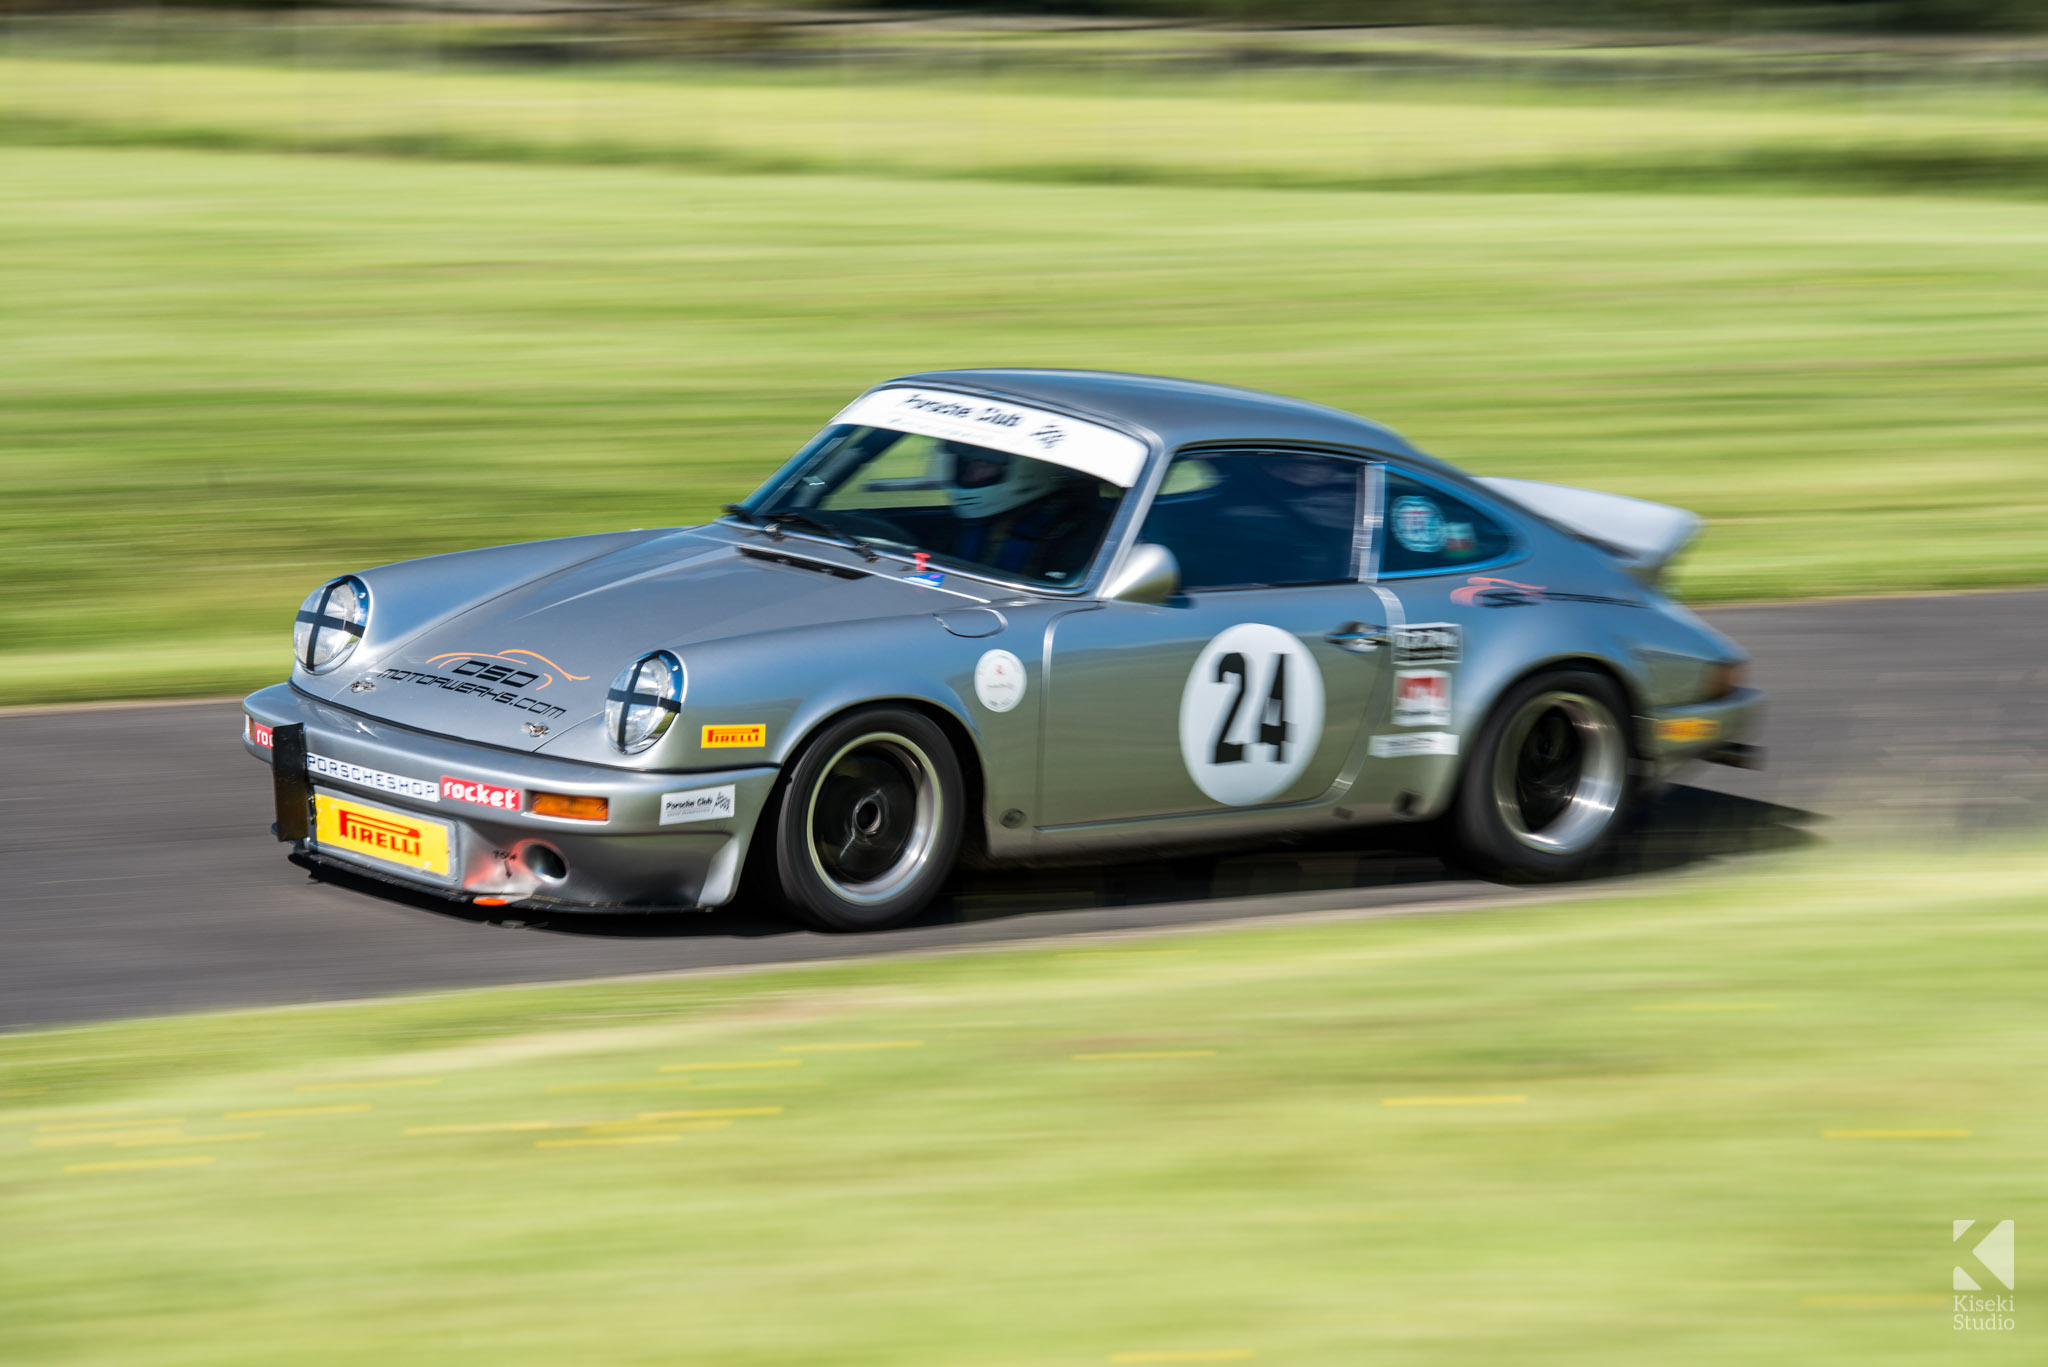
(1012, 615)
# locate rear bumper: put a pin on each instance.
(1673, 736)
(633, 859)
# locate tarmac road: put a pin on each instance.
(140, 878)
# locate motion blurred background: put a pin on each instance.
(292, 290)
(288, 290)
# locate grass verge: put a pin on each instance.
(1730, 1119)
(231, 376)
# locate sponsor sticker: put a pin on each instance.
(1251, 714)
(340, 771)
(1422, 697)
(1418, 524)
(1688, 730)
(931, 579)
(999, 680)
(698, 804)
(1020, 430)
(1428, 643)
(481, 794)
(734, 737)
(1415, 743)
(1458, 538)
(400, 838)
(257, 732)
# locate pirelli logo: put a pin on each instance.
(734, 737)
(412, 842)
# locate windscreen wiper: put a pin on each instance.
(840, 534)
(753, 519)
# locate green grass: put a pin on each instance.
(229, 376)
(1664, 1189)
(1261, 130)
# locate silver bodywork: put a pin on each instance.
(491, 667)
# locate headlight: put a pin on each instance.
(331, 621)
(644, 701)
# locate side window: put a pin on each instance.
(1246, 519)
(1427, 531)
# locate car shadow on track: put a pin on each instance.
(1686, 826)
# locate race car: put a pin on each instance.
(1016, 616)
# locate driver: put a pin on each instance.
(1015, 513)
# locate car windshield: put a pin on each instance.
(967, 506)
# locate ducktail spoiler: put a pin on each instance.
(1645, 537)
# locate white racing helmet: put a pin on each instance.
(983, 483)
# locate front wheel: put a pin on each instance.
(869, 821)
(1549, 784)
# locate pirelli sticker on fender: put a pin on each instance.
(734, 737)
(410, 842)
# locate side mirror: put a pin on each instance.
(1148, 574)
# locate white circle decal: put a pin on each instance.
(999, 681)
(1418, 525)
(1251, 714)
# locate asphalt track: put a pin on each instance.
(139, 877)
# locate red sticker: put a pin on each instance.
(257, 732)
(482, 794)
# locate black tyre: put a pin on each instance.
(868, 824)
(1550, 782)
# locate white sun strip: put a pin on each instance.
(1077, 444)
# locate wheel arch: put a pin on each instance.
(965, 749)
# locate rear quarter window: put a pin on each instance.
(1426, 530)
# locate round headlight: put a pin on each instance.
(643, 701)
(331, 621)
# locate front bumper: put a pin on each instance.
(630, 860)
(1674, 736)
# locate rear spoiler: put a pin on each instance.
(1643, 536)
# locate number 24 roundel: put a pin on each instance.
(1251, 714)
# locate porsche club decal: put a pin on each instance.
(1251, 714)
(734, 737)
(389, 837)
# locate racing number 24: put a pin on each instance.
(1273, 725)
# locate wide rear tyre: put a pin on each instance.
(1550, 782)
(869, 821)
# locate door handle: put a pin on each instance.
(1360, 638)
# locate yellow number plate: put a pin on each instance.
(411, 842)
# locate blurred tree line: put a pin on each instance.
(1871, 16)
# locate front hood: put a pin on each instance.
(545, 652)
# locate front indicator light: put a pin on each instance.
(575, 808)
(1723, 679)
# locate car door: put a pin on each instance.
(1247, 690)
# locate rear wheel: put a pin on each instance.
(869, 821)
(1550, 782)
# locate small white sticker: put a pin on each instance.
(1251, 714)
(1422, 697)
(1428, 643)
(1419, 743)
(999, 681)
(418, 789)
(698, 804)
(1418, 525)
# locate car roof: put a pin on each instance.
(1178, 412)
